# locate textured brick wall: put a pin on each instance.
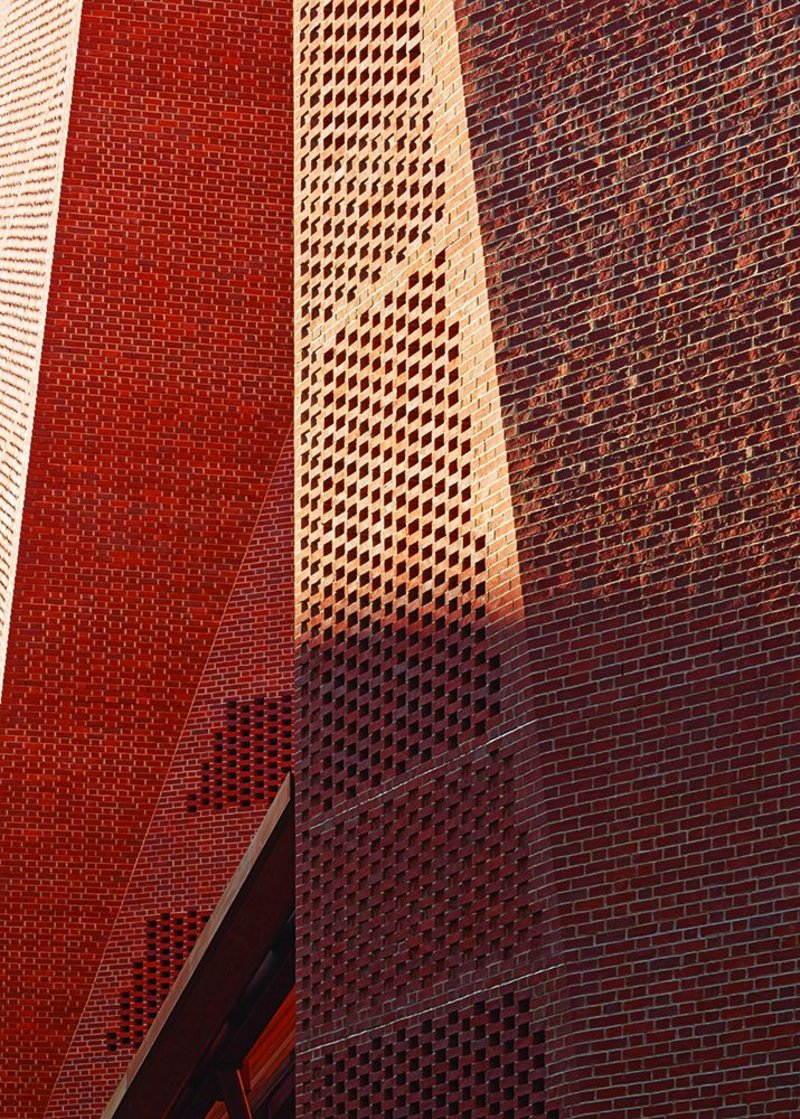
(423, 956)
(236, 744)
(164, 402)
(636, 167)
(546, 550)
(38, 42)
(585, 899)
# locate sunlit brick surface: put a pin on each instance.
(164, 403)
(419, 843)
(187, 857)
(37, 55)
(638, 192)
(544, 604)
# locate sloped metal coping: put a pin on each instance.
(237, 975)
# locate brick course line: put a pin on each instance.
(137, 866)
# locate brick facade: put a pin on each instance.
(618, 851)
(164, 404)
(634, 167)
(536, 655)
(194, 841)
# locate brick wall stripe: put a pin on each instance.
(38, 48)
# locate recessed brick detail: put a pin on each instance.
(169, 939)
(251, 754)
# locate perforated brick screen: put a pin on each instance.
(251, 754)
(475, 1060)
(419, 853)
(169, 938)
(603, 235)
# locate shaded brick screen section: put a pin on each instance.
(164, 403)
(419, 834)
(170, 938)
(636, 169)
(38, 41)
(474, 1060)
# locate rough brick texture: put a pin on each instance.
(546, 551)
(637, 181)
(164, 402)
(420, 934)
(610, 842)
(37, 61)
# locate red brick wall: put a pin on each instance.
(225, 768)
(585, 902)
(637, 182)
(423, 960)
(165, 399)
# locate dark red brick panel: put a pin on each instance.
(634, 170)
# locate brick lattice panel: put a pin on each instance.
(252, 754)
(419, 838)
(474, 1060)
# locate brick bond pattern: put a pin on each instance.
(545, 567)
(164, 402)
(635, 178)
(38, 42)
(420, 929)
(188, 856)
(637, 184)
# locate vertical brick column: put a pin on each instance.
(164, 402)
(420, 936)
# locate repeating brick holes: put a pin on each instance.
(370, 186)
(462, 834)
(394, 665)
(487, 1059)
(252, 754)
(170, 939)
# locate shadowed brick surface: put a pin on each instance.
(636, 172)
